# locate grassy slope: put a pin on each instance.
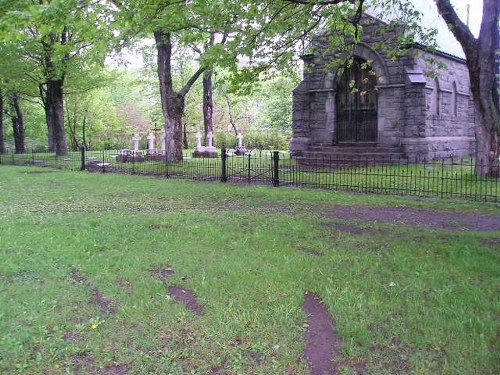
(406, 300)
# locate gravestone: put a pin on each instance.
(208, 151)
(135, 155)
(151, 144)
(240, 149)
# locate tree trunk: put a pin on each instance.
(50, 130)
(208, 104)
(2, 139)
(18, 125)
(185, 137)
(172, 102)
(480, 55)
(55, 115)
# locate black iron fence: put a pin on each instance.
(447, 179)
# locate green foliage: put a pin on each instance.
(262, 140)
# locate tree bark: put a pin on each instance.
(172, 102)
(208, 104)
(480, 55)
(17, 125)
(2, 138)
(55, 114)
(50, 129)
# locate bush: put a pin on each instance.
(263, 140)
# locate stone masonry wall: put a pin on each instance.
(406, 100)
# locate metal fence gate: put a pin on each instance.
(357, 119)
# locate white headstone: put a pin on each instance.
(210, 139)
(151, 141)
(240, 140)
(198, 139)
(164, 142)
(136, 139)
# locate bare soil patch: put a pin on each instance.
(78, 278)
(315, 252)
(493, 242)
(442, 220)
(322, 340)
(347, 228)
(187, 297)
(72, 336)
(85, 364)
(163, 273)
(104, 303)
(122, 369)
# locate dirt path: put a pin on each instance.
(322, 340)
(435, 219)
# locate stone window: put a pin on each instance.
(454, 100)
(436, 98)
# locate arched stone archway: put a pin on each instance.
(357, 104)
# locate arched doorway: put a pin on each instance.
(356, 104)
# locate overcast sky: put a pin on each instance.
(445, 39)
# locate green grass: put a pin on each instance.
(406, 299)
(444, 179)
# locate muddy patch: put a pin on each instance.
(322, 340)
(347, 228)
(493, 242)
(163, 273)
(315, 252)
(78, 278)
(104, 303)
(187, 297)
(71, 336)
(122, 369)
(85, 364)
(443, 220)
(82, 363)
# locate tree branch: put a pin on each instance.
(456, 26)
(192, 80)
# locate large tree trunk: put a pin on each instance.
(480, 55)
(17, 125)
(50, 130)
(208, 104)
(55, 115)
(2, 140)
(172, 102)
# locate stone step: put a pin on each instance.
(342, 162)
(361, 150)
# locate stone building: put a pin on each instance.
(397, 107)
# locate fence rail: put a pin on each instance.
(446, 179)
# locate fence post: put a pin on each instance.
(223, 155)
(82, 158)
(276, 161)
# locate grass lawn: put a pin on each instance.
(90, 265)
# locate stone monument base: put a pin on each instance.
(240, 150)
(205, 152)
(129, 156)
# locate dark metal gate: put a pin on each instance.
(357, 104)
